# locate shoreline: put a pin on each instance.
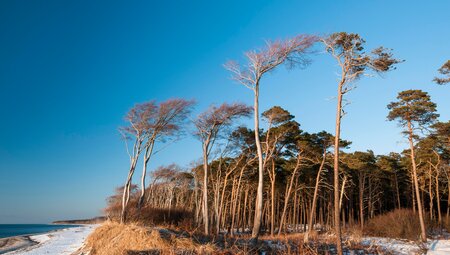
(14, 243)
(57, 241)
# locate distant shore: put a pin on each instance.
(95, 220)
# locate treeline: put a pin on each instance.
(282, 178)
(95, 220)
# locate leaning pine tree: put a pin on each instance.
(414, 111)
(354, 62)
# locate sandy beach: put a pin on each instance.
(64, 241)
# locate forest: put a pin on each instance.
(275, 180)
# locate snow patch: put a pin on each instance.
(439, 247)
(62, 242)
(400, 247)
(40, 238)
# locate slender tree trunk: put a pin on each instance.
(222, 199)
(244, 213)
(337, 220)
(234, 192)
(126, 191)
(147, 155)
(438, 198)
(295, 205)
(397, 190)
(205, 187)
(361, 199)
(430, 192)
(416, 184)
(259, 194)
(197, 200)
(217, 202)
(341, 196)
(288, 193)
(272, 211)
(314, 202)
(239, 183)
(413, 195)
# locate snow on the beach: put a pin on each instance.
(40, 238)
(401, 247)
(61, 242)
(439, 247)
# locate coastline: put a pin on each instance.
(14, 243)
(60, 241)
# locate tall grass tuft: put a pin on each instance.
(400, 223)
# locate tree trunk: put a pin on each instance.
(337, 221)
(259, 194)
(197, 200)
(205, 188)
(234, 192)
(288, 193)
(430, 192)
(416, 184)
(147, 155)
(314, 202)
(222, 199)
(341, 197)
(397, 191)
(272, 211)
(126, 191)
(413, 195)
(361, 199)
(438, 198)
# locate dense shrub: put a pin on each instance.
(400, 223)
(161, 216)
(151, 216)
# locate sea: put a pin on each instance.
(8, 230)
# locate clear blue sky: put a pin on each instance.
(69, 71)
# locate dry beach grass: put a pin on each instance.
(113, 238)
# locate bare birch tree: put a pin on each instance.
(291, 51)
(164, 122)
(137, 119)
(209, 124)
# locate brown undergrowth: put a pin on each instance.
(400, 223)
(113, 238)
(151, 216)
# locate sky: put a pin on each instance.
(70, 70)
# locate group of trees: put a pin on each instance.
(282, 178)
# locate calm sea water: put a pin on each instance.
(7, 230)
